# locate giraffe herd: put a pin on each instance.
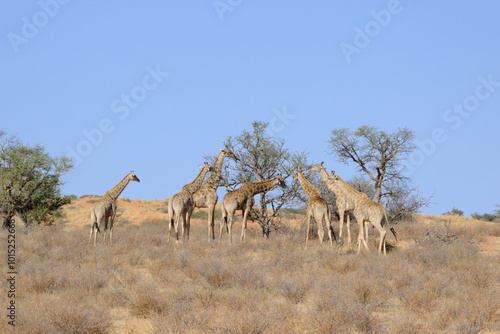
(202, 193)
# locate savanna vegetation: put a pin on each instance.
(442, 276)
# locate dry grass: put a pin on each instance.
(143, 284)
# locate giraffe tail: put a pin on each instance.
(331, 227)
(93, 221)
(390, 227)
(333, 233)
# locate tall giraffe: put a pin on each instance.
(206, 196)
(243, 199)
(365, 210)
(104, 211)
(316, 207)
(179, 204)
(344, 205)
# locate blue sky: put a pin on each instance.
(154, 86)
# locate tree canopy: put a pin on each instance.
(30, 181)
(377, 153)
(262, 157)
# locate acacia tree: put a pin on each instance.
(30, 181)
(262, 157)
(377, 153)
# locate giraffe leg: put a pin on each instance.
(361, 238)
(170, 228)
(211, 223)
(308, 227)
(382, 232)
(329, 228)
(111, 231)
(184, 227)
(348, 228)
(111, 223)
(177, 220)
(95, 239)
(99, 223)
(91, 231)
(106, 219)
(367, 225)
(230, 226)
(244, 226)
(321, 231)
(365, 243)
(223, 222)
(188, 225)
(189, 214)
(341, 223)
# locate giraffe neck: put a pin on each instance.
(332, 186)
(114, 192)
(261, 187)
(198, 181)
(348, 191)
(214, 178)
(309, 189)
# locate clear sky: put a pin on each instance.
(153, 86)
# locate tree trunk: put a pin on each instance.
(378, 187)
(263, 221)
(378, 193)
(265, 231)
(6, 222)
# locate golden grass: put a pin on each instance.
(143, 284)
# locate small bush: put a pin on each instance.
(489, 217)
(455, 212)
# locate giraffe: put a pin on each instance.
(365, 211)
(243, 199)
(104, 211)
(316, 207)
(179, 204)
(344, 205)
(206, 196)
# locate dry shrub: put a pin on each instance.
(179, 314)
(294, 288)
(63, 314)
(245, 311)
(262, 286)
(145, 299)
(217, 273)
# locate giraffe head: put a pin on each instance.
(229, 154)
(317, 167)
(281, 181)
(296, 174)
(206, 166)
(133, 177)
(333, 178)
